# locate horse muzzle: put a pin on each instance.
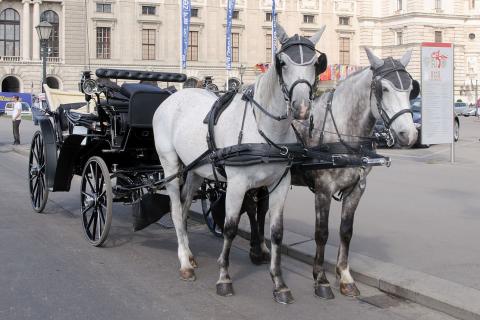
(301, 109)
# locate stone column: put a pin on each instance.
(26, 30)
(35, 39)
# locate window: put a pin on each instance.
(438, 36)
(192, 52)
(53, 42)
(399, 5)
(438, 4)
(344, 21)
(103, 42)
(235, 14)
(268, 47)
(344, 50)
(194, 12)
(308, 18)
(9, 33)
(148, 10)
(235, 47)
(148, 44)
(399, 38)
(104, 7)
(268, 16)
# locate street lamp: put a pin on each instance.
(241, 70)
(44, 29)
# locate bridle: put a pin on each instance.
(376, 89)
(320, 67)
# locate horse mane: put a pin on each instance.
(266, 82)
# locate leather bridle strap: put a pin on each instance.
(396, 115)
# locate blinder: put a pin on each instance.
(415, 90)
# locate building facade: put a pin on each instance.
(144, 34)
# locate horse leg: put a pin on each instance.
(281, 293)
(262, 209)
(190, 187)
(350, 203)
(322, 209)
(250, 206)
(170, 164)
(233, 204)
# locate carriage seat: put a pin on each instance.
(144, 101)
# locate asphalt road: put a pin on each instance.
(422, 213)
(48, 270)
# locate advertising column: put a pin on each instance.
(437, 93)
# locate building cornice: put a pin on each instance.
(418, 15)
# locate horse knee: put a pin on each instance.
(346, 230)
(277, 234)
(230, 229)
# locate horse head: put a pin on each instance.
(393, 88)
(298, 67)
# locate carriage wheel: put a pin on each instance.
(37, 180)
(96, 201)
(211, 193)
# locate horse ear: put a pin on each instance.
(375, 61)
(281, 34)
(406, 58)
(316, 37)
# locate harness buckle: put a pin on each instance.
(284, 151)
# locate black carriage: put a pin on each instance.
(104, 135)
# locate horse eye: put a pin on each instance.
(385, 89)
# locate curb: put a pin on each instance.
(435, 293)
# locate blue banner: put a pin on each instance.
(186, 6)
(274, 31)
(230, 7)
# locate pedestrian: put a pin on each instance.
(16, 119)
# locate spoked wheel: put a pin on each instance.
(37, 181)
(96, 201)
(211, 193)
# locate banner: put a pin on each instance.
(186, 6)
(437, 93)
(230, 7)
(274, 31)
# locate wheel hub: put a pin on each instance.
(34, 171)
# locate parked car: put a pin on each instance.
(471, 111)
(25, 108)
(460, 107)
(416, 104)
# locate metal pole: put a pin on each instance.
(44, 62)
(476, 97)
(452, 148)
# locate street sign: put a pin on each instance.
(437, 93)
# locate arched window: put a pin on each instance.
(11, 84)
(9, 33)
(52, 18)
(52, 83)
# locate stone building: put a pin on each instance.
(144, 34)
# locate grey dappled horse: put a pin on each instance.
(381, 91)
(180, 137)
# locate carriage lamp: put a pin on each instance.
(241, 70)
(44, 29)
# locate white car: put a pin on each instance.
(25, 108)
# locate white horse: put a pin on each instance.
(284, 91)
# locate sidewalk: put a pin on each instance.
(415, 232)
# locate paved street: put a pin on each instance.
(48, 270)
(422, 213)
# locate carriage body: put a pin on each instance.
(105, 136)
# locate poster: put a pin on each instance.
(437, 93)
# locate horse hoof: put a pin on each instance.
(259, 259)
(349, 289)
(225, 289)
(193, 262)
(187, 275)
(324, 292)
(283, 297)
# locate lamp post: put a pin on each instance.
(241, 70)
(44, 29)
